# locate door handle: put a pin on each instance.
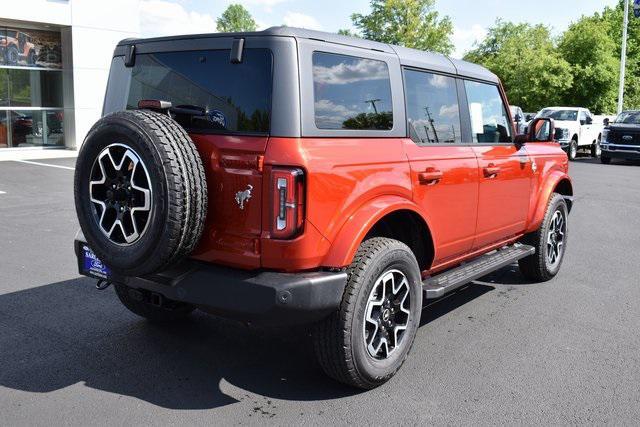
(491, 171)
(430, 176)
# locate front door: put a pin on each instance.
(504, 170)
(444, 173)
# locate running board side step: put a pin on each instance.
(437, 286)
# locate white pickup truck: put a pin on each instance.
(576, 129)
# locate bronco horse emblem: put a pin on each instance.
(243, 196)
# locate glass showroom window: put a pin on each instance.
(31, 106)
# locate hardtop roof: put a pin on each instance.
(408, 57)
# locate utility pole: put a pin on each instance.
(431, 121)
(623, 56)
(373, 104)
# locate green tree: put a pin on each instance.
(611, 20)
(410, 23)
(533, 72)
(235, 18)
(591, 52)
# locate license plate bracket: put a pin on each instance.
(91, 265)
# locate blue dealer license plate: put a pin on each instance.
(92, 266)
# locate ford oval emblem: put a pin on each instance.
(628, 137)
(217, 117)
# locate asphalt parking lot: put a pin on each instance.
(501, 351)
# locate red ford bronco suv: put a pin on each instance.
(290, 176)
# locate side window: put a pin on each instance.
(582, 117)
(489, 119)
(351, 93)
(433, 115)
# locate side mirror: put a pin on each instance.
(589, 120)
(541, 129)
(517, 118)
(606, 121)
(528, 117)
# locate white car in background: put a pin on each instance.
(519, 121)
(576, 129)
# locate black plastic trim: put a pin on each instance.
(264, 297)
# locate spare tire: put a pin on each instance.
(140, 192)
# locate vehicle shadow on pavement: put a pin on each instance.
(61, 334)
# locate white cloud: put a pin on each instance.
(349, 72)
(464, 38)
(296, 19)
(330, 115)
(449, 111)
(440, 81)
(163, 18)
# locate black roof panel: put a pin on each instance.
(408, 57)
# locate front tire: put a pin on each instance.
(573, 149)
(605, 160)
(595, 148)
(367, 340)
(550, 241)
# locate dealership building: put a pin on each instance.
(54, 65)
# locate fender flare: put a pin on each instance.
(552, 181)
(356, 227)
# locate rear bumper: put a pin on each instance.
(254, 296)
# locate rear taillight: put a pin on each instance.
(287, 202)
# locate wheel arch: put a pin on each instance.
(391, 216)
(557, 182)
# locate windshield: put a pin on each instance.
(629, 117)
(562, 115)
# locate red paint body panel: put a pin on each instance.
(503, 202)
(449, 205)
(351, 183)
(231, 165)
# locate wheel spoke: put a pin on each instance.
(387, 314)
(121, 193)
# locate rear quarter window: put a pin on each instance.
(351, 93)
(232, 98)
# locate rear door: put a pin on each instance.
(504, 172)
(444, 173)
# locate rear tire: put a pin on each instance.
(171, 311)
(350, 344)
(543, 265)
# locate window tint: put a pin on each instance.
(351, 92)
(432, 108)
(562, 115)
(583, 116)
(489, 119)
(219, 96)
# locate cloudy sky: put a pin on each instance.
(470, 17)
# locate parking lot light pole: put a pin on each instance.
(623, 55)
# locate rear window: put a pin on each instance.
(351, 93)
(216, 95)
